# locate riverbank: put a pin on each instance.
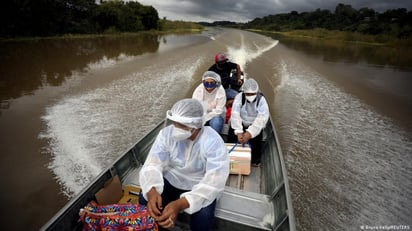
(335, 35)
(107, 35)
(166, 27)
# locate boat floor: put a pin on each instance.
(250, 183)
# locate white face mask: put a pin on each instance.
(180, 134)
(251, 98)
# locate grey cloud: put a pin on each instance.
(246, 10)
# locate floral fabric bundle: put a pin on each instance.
(116, 217)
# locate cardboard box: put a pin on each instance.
(239, 158)
(112, 193)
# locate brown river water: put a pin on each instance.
(69, 107)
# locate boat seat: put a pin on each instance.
(247, 208)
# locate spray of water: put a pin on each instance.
(248, 52)
(86, 132)
(349, 161)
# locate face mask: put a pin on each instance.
(222, 64)
(180, 134)
(251, 98)
(209, 85)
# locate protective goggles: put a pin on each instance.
(186, 121)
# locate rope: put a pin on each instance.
(234, 146)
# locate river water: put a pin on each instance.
(343, 113)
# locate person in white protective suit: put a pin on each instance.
(185, 170)
(250, 113)
(213, 97)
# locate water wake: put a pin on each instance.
(246, 53)
(86, 132)
(359, 158)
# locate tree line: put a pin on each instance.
(395, 22)
(56, 17)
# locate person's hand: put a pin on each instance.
(154, 203)
(246, 137)
(240, 138)
(211, 106)
(169, 215)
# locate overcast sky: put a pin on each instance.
(246, 10)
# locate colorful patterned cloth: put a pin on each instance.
(116, 217)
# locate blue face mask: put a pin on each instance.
(209, 85)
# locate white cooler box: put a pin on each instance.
(239, 158)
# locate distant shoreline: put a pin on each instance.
(345, 36)
(320, 34)
(114, 34)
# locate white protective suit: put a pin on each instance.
(201, 166)
(250, 114)
(214, 103)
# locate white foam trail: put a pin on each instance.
(87, 132)
(245, 54)
(284, 76)
(106, 62)
(361, 153)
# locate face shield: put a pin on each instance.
(186, 113)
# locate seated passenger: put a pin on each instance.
(186, 169)
(250, 113)
(224, 68)
(213, 98)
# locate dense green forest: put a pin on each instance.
(395, 22)
(56, 17)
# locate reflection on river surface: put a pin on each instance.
(29, 65)
(350, 52)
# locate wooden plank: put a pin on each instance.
(232, 181)
(252, 183)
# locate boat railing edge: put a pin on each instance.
(292, 224)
